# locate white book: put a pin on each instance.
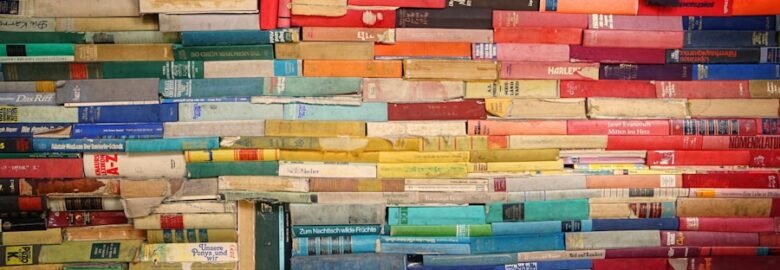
(112, 103)
(225, 128)
(264, 183)
(36, 59)
(124, 165)
(197, 6)
(538, 183)
(85, 8)
(416, 128)
(250, 68)
(190, 252)
(327, 170)
(208, 22)
(612, 239)
(347, 100)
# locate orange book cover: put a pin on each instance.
(356, 68)
(521, 127)
(544, 35)
(616, 7)
(426, 49)
(755, 7)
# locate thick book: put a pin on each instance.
(108, 165)
(509, 19)
(450, 17)
(214, 169)
(633, 39)
(57, 219)
(606, 88)
(238, 37)
(735, 23)
(617, 55)
(459, 110)
(190, 252)
(735, 72)
(373, 18)
(349, 262)
(186, 221)
(702, 89)
(78, 145)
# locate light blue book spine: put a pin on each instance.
(425, 240)
(311, 86)
(736, 72)
(287, 68)
(375, 112)
(203, 100)
(171, 144)
(436, 215)
(204, 88)
(331, 230)
(28, 99)
(330, 245)
(217, 111)
(563, 210)
(517, 243)
(78, 145)
(350, 262)
(541, 227)
(416, 248)
(468, 260)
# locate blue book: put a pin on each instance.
(78, 145)
(171, 144)
(129, 113)
(117, 131)
(770, 55)
(736, 72)
(201, 100)
(426, 248)
(741, 23)
(444, 215)
(517, 243)
(424, 240)
(27, 130)
(551, 5)
(376, 112)
(729, 39)
(672, 224)
(467, 260)
(350, 262)
(540, 227)
(331, 245)
(209, 88)
(543, 265)
(238, 37)
(283, 68)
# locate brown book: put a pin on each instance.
(355, 185)
(123, 52)
(734, 108)
(724, 207)
(450, 69)
(628, 108)
(325, 50)
(149, 188)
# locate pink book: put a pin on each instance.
(633, 39)
(702, 89)
(284, 14)
(410, 91)
(603, 160)
(617, 55)
(532, 52)
(550, 70)
(694, 238)
(607, 88)
(400, 3)
(642, 23)
(719, 224)
(510, 19)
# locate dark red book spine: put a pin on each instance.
(42, 168)
(714, 127)
(687, 8)
(269, 15)
(85, 218)
(699, 158)
(15, 145)
(696, 238)
(40, 187)
(617, 55)
(606, 88)
(654, 142)
(460, 110)
(653, 252)
(731, 180)
(353, 18)
(732, 263)
(22, 204)
(624, 264)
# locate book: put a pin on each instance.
(190, 252)
(449, 69)
(449, 17)
(84, 8)
(407, 50)
(324, 50)
(436, 215)
(512, 89)
(238, 37)
(616, 108)
(378, 35)
(349, 261)
(612, 239)
(729, 39)
(571, 108)
(107, 165)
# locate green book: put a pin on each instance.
(311, 86)
(271, 246)
(52, 71)
(207, 53)
(462, 230)
(158, 69)
(504, 212)
(215, 169)
(42, 49)
(41, 37)
(89, 251)
(578, 209)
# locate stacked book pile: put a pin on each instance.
(389, 134)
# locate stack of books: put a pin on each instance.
(389, 134)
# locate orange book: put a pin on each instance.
(427, 49)
(755, 7)
(544, 35)
(520, 127)
(617, 7)
(355, 68)
(633, 181)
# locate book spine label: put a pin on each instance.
(715, 56)
(478, 18)
(21, 255)
(21, 24)
(318, 231)
(27, 99)
(185, 252)
(770, 55)
(15, 145)
(618, 127)
(78, 145)
(214, 53)
(117, 131)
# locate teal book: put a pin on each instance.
(444, 215)
(332, 245)
(171, 144)
(271, 237)
(215, 169)
(469, 260)
(334, 230)
(541, 227)
(42, 49)
(218, 111)
(459, 230)
(222, 53)
(207, 88)
(504, 212)
(517, 243)
(578, 209)
(376, 112)
(311, 86)
(155, 69)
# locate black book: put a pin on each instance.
(455, 17)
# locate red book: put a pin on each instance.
(269, 14)
(549, 71)
(618, 127)
(617, 55)
(694, 238)
(606, 88)
(689, 8)
(731, 180)
(353, 18)
(85, 218)
(630, 263)
(508, 19)
(740, 142)
(717, 224)
(702, 89)
(764, 158)
(633, 39)
(283, 20)
(714, 127)
(769, 239)
(654, 142)
(731, 263)
(699, 158)
(41, 168)
(10, 204)
(400, 3)
(460, 110)
(545, 35)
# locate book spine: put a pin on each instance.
(202, 88)
(606, 88)
(724, 207)
(729, 39)
(635, 224)
(78, 145)
(617, 55)
(206, 170)
(85, 203)
(628, 39)
(618, 127)
(20, 224)
(714, 127)
(737, 23)
(26, 37)
(131, 37)
(270, 15)
(568, 210)
(106, 165)
(21, 24)
(521, 243)
(378, 35)
(770, 55)
(451, 17)
(736, 180)
(693, 238)
(715, 56)
(22, 204)
(435, 215)
(117, 131)
(217, 53)
(540, 227)
(171, 144)
(510, 19)
(187, 252)
(311, 87)
(20, 255)
(637, 23)
(687, 8)
(612, 239)
(43, 237)
(60, 219)
(129, 113)
(441, 230)
(15, 145)
(186, 221)
(238, 37)
(702, 89)
(474, 109)
(713, 224)
(42, 168)
(736, 72)
(209, 111)
(554, 71)
(349, 262)
(27, 99)
(646, 72)
(335, 230)
(543, 35)
(319, 214)
(526, 5)
(332, 245)
(353, 18)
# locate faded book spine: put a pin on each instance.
(186, 221)
(85, 218)
(187, 252)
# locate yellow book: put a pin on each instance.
(514, 155)
(325, 50)
(112, 24)
(218, 155)
(558, 141)
(329, 8)
(315, 128)
(422, 170)
(463, 143)
(331, 144)
(526, 108)
(600, 166)
(450, 69)
(516, 166)
(123, 52)
(512, 89)
(423, 157)
(297, 155)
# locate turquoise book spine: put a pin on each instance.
(517, 243)
(224, 53)
(171, 144)
(473, 214)
(374, 112)
(215, 169)
(563, 210)
(541, 227)
(207, 88)
(311, 86)
(78, 145)
(41, 49)
(331, 230)
(469, 260)
(332, 245)
(504, 212)
(218, 111)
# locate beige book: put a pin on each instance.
(531, 166)
(85, 8)
(612, 239)
(446, 185)
(627, 210)
(149, 188)
(422, 170)
(734, 108)
(450, 69)
(411, 91)
(246, 234)
(408, 198)
(34, 267)
(103, 233)
(51, 236)
(241, 69)
(324, 50)
(123, 52)
(423, 157)
(628, 108)
(141, 207)
(195, 207)
(416, 128)
(724, 207)
(460, 197)
(557, 141)
(304, 128)
(512, 89)
(765, 89)
(225, 128)
(197, 6)
(187, 221)
(196, 189)
(264, 183)
(187, 265)
(327, 170)
(562, 108)
(329, 8)
(208, 22)
(112, 24)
